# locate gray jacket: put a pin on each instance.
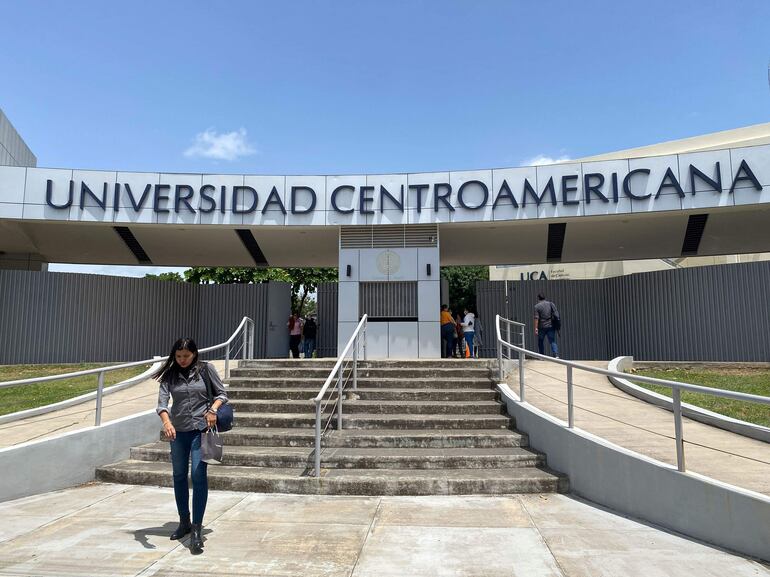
(190, 398)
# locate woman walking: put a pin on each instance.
(295, 334)
(183, 378)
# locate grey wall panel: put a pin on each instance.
(66, 318)
(718, 313)
(327, 295)
(276, 335)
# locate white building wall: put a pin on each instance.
(392, 339)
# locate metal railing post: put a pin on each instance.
(570, 400)
(500, 376)
(244, 341)
(677, 398)
(253, 339)
(227, 362)
(521, 376)
(365, 342)
(355, 366)
(508, 336)
(500, 361)
(317, 439)
(339, 400)
(99, 397)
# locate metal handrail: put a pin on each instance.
(246, 327)
(676, 387)
(360, 332)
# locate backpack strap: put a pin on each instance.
(207, 380)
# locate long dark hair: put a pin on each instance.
(169, 370)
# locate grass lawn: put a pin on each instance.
(22, 397)
(752, 381)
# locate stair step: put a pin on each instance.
(442, 373)
(352, 458)
(432, 427)
(373, 407)
(376, 421)
(317, 383)
(377, 438)
(374, 363)
(349, 481)
(367, 394)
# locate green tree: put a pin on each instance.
(233, 275)
(304, 281)
(462, 285)
(170, 276)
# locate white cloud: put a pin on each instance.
(116, 270)
(542, 160)
(226, 146)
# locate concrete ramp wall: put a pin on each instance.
(72, 458)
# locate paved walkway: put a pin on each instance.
(608, 412)
(117, 530)
(102, 529)
(134, 399)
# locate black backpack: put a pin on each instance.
(310, 329)
(555, 319)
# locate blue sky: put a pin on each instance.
(337, 87)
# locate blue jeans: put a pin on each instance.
(309, 347)
(448, 333)
(186, 445)
(551, 334)
(469, 341)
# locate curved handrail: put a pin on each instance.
(236, 332)
(117, 367)
(246, 327)
(675, 386)
(352, 342)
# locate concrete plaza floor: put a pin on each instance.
(117, 530)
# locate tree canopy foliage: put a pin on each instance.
(462, 285)
(170, 276)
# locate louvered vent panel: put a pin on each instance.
(389, 236)
(388, 300)
(421, 235)
(356, 237)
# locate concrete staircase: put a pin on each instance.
(431, 427)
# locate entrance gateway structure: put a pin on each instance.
(390, 234)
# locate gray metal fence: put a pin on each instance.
(65, 318)
(327, 319)
(714, 313)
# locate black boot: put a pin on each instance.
(196, 542)
(183, 529)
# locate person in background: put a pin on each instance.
(448, 332)
(309, 331)
(183, 379)
(469, 330)
(545, 314)
(295, 334)
(459, 334)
